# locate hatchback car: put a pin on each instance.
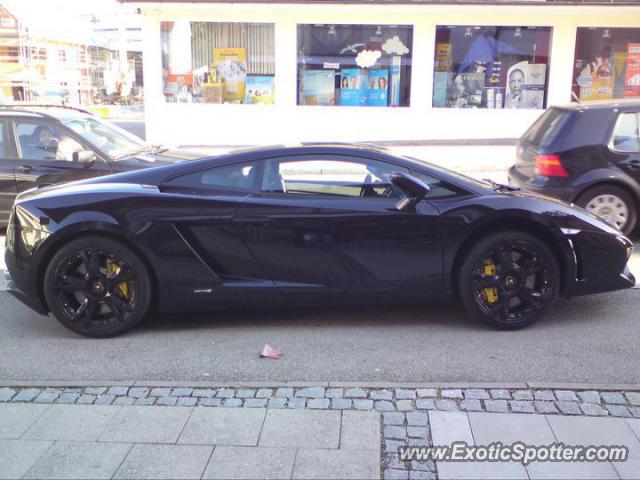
(43, 145)
(588, 154)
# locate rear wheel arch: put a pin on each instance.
(531, 227)
(54, 247)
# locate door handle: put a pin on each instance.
(25, 168)
(251, 220)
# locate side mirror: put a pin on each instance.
(413, 188)
(84, 156)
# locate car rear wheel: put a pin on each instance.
(97, 287)
(508, 279)
(613, 204)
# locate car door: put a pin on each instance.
(203, 208)
(7, 178)
(328, 224)
(45, 155)
(624, 146)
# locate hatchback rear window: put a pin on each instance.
(546, 128)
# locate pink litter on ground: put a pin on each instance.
(269, 352)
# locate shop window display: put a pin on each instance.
(491, 67)
(354, 65)
(607, 64)
(213, 62)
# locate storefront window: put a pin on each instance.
(491, 67)
(206, 62)
(607, 64)
(354, 65)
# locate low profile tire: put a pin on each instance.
(97, 287)
(508, 279)
(613, 204)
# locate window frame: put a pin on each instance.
(39, 121)
(611, 146)
(255, 188)
(336, 157)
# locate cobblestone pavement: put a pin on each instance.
(405, 414)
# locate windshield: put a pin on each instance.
(112, 140)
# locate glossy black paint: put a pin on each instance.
(18, 174)
(214, 248)
(582, 143)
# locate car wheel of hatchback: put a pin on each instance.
(509, 279)
(97, 287)
(613, 204)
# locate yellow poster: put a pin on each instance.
(230, 65)
(443, 57)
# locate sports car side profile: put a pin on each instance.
(301, 224)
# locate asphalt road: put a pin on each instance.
(589, 339)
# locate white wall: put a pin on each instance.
(206, 124)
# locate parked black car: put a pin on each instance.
(306, 224)
(42, 145)
(588, 154)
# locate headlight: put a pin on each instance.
(627, 244)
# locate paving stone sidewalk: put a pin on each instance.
(300, 432)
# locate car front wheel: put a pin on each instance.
(508, 279)
(97, 287)
(613, 204)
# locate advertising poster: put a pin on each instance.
(230, 65)
(394, 96)
(351, 87)
(525, 85)
(444, 62)
(317, 87)
(440, 88)
(632, 78)
(466, 91)
(378, 82)
(619, 73)
(259, 89)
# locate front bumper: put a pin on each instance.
(601, 263)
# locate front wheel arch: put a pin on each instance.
(70, 237)
(526, 226)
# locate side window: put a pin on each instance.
(349, 177)
(38, 141)
(239, 176)
(439, 188)
(626, 134)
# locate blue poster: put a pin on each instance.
(378, 92)
(351, 87)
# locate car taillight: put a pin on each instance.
(550, 166)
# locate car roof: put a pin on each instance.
(58, 112)
(622, 103)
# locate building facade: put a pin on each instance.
(236, 73)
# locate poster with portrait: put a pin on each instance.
(259, 89)
(378, 87)
(230, 69)
(352, 92)
(525, 85)
(632, 77)
(466, 90)
(317, 87)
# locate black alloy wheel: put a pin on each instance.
(509, 279)
(97, 287)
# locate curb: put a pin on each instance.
(629, 387)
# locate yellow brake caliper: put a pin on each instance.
(490, 294)
(123, 287)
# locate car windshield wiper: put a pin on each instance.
(145, 149)
(495, 186)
